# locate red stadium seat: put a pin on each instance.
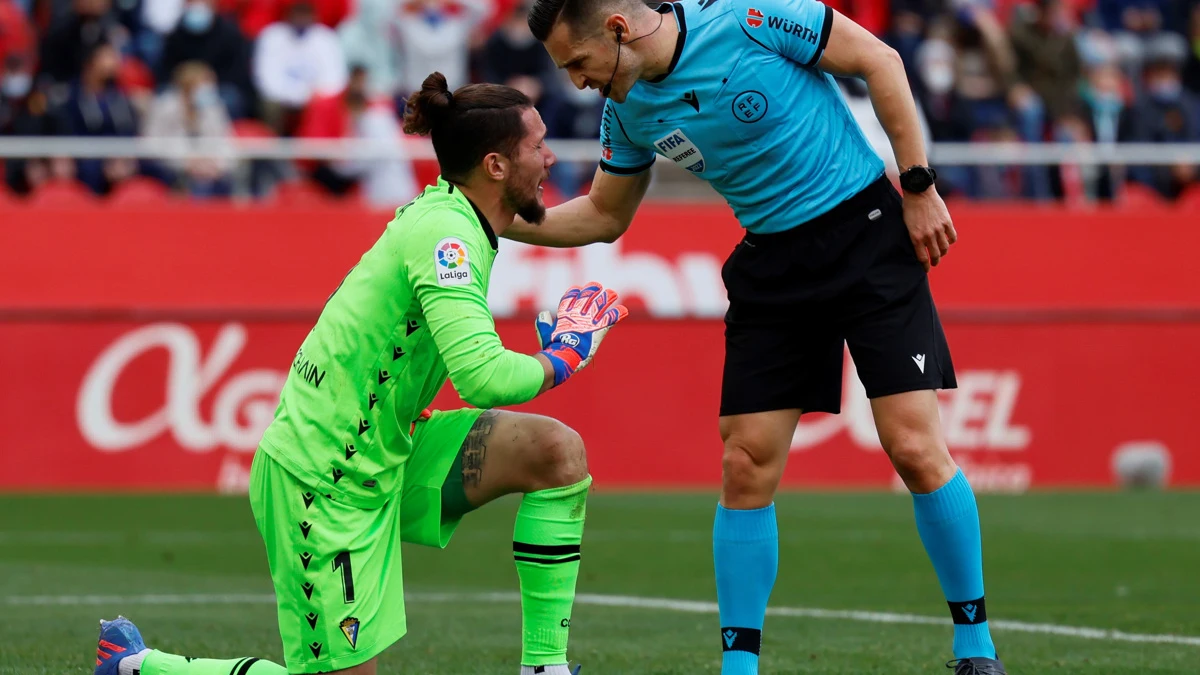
(1138, 195)
(139, 191)
(7, 199)
(1190, 199)
(62, 194)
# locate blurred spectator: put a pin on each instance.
(191, 112)
(1043, 38)
(16, 81)
(513, 57)
(162, 16)
(293, 61)
(255, 15)
(1191, 71)
(89, 24)
(1164, 113)
(1000, 107)
(936, 74)
(24, 111)
(1104, 105)
(354, 115)
(368, 38)
(95, 106)
(436, 35)
(205, 36)
(1132, 16)
(909, 20)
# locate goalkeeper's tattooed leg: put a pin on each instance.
(544, 459)
(474, 450)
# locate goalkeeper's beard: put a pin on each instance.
(528, 206)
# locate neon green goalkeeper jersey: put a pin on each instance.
(410, 313)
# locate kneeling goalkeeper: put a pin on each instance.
(351, 465)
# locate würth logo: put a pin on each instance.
(754, 18)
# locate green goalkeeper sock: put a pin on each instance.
(546, 540)
(161, 663)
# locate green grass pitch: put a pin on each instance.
(1124, 562)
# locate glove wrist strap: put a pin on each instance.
(564, 359)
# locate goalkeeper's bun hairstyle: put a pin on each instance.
(468, 124)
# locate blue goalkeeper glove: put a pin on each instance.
(570, 337)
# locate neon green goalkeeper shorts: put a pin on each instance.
(336, 568)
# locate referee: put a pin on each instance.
(741, 94)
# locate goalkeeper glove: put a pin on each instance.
(571, 337)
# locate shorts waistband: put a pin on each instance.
(869, 197)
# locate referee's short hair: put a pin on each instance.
(575, 13)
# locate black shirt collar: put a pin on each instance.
(483, 221)
(678, 9)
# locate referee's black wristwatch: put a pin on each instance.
(917, 179)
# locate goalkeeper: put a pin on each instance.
(351, 466)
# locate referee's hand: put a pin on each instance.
(929, 226)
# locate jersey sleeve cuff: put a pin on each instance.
(826, 25)
(625, 171)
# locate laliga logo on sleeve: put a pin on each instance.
(452, 266)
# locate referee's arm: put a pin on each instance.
(852, 51)
(602, 215)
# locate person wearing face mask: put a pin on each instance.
(203, 35)
(945, 112)
(295, 60)
(191, 114)
(24, 111)
(1164, 113)
(16, 80)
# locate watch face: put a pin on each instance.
(917, 179)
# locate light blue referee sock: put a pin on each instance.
(948, 521)
(746, 555)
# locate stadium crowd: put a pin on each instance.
(206, 71)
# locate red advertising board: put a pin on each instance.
(145, 349)
(225, 259)
(169, 406)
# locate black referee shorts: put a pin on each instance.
(797, 297)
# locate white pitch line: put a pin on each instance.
(624, 601)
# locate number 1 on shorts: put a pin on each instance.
(343, 561)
